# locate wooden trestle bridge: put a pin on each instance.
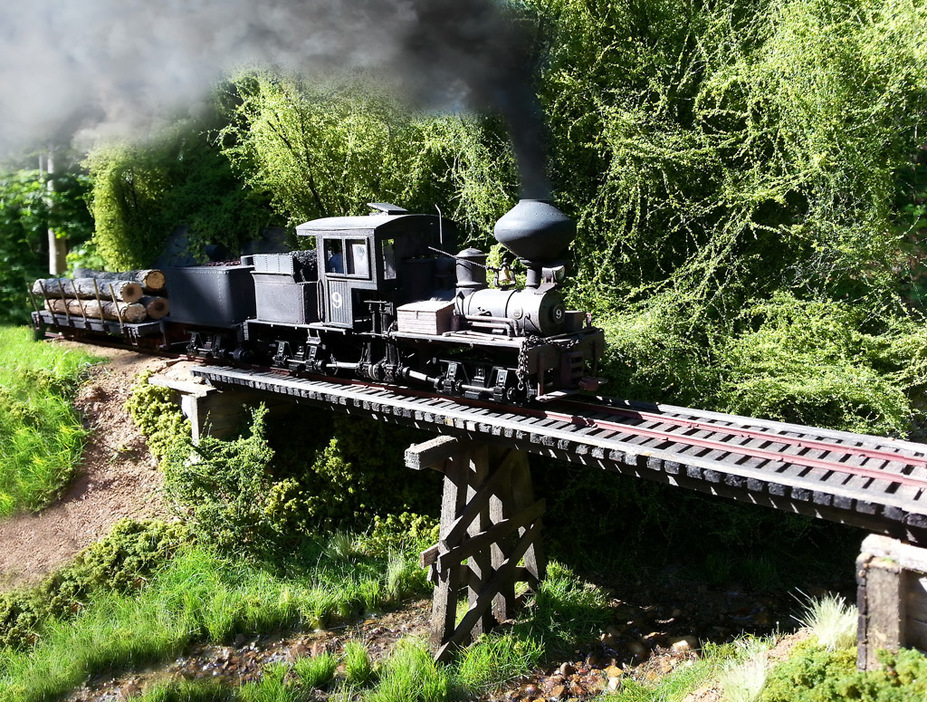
(490, 519)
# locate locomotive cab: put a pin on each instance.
(369, 265)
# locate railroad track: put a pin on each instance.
(876, 483)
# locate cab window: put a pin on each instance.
(334, 256)
(389, 259)
(358, 262)
(347, 257)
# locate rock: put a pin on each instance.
(683, 644)
(566, 670)
(557, 692)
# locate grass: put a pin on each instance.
(743, 680)
(316, 671)
(198, 596)
(832, 621)
(41, 437)
(358, 669)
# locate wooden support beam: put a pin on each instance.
(490, 525)
(892, 598)
(432, 453)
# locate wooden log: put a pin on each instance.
(89, 289)
(151, 279)
(130, 313)
(157, 307)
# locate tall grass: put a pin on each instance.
(832, 621)
(41, 437)
(198, 596)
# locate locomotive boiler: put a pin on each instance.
(383, 298)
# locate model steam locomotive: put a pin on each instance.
(379, 298)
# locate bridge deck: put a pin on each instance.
(871, 482)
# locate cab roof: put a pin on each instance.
(385, 218)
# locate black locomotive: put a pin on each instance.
(380, 298)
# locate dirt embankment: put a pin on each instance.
(117, 478)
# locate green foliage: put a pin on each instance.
(121, 561)
(809, 362)
(225, 489)
(258, 492)
(397, 532)
(322, 149)
(156, 413)
(346, 484)
(41, 438)
(143, 192)
(818, 675)
(716, 154)
(28, 209)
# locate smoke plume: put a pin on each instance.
(103, 68)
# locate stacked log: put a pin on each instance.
(109, 296)
(89, 288)
(156, 307)
(152, 280)
(113, 311)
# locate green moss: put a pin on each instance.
(817, 675)
(156, 413)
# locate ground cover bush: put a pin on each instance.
(816, 674)
(41, 437)
(270, 487)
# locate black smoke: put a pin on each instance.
(100, 68)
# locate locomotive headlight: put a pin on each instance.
(555, 274)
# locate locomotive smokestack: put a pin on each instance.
(537, 232)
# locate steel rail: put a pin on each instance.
(817, 444)
(805, 461)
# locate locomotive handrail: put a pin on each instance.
(492, 322)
